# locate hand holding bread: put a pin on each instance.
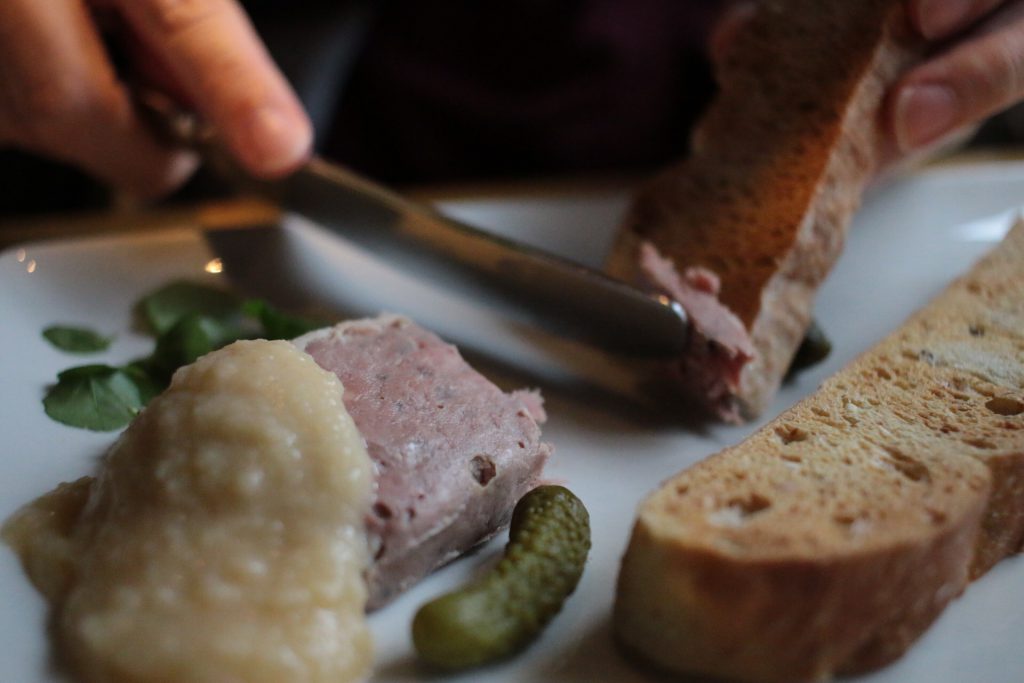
(974, 69)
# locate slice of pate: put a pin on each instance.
(224, 539)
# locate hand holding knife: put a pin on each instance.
(559, 295)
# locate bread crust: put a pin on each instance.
(779, 164)
(828, 541)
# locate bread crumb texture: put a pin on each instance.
(829, 540)
(778, 166)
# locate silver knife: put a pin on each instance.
(561, 296)
(558, 295)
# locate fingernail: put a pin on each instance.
(923, 114)
(939, 18)
(277, 142)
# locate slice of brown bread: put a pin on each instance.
(778, 167)
(829, 540)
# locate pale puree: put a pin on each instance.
(224, 539)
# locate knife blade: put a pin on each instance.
(559, 295)
(563, 297)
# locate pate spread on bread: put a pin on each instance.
(829, 540)
(744, 231)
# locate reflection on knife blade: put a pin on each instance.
(559, 295)
(562, 296)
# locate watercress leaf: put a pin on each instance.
(192, 336)
(76, 339)
(146, 381)
(278, 325)
(163, 308)
(83, 371)
(96, 397)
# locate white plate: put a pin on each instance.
(909, 241)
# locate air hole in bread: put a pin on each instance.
(855, 525)
(792, 458)
(1006, 406)
(482, 468)
(984, 389)
(982, 443)
(909, 467)
(791, 434)
(682, 489)
(883, 373)
(737, 510)
(751, 504)
(976, 330)
(936, 516)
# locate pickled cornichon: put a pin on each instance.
(549, 539)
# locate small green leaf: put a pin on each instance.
(192, 336)
(163, 308)
(96, 397)
(188, 320)
(76, 339)
(149, 384)
(278, 325)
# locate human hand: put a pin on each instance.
(60, 95)
(977, 71)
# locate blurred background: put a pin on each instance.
(413, 94)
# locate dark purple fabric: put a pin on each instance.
(469, 89)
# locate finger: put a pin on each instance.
(59, 96)
(980, 76)
(939, 19)
(212, 50)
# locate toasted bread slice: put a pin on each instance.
(830, 539)
(778, 167)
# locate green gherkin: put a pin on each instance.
(549, 539)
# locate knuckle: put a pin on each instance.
(59, 107)
(174, 17)
(998, 72)
(1011, 65)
